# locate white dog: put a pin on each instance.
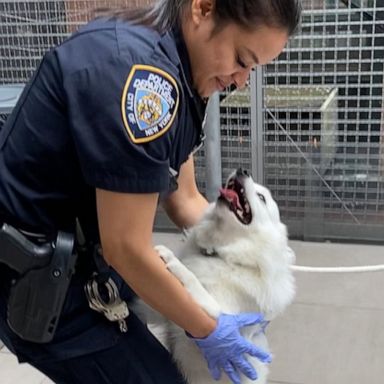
(235, 260)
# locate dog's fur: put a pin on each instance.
(231, 267)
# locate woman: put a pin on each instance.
(107, 124)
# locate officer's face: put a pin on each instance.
(226, 57)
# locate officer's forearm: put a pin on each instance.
(186, 212)
(186, 205)
(147, 275)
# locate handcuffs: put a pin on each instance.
(103, 295)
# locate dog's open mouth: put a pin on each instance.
(234, 196)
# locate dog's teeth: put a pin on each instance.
(242, 190)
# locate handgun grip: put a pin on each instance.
(19, 253)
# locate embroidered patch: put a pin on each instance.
(149, 104)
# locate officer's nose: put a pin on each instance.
(240, 78)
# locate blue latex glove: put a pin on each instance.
(225, 346)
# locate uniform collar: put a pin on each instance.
(185, 65)
(181, 59)
(178, 54)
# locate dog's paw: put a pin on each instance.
(172, 263)
(165, 253)
(189, 280)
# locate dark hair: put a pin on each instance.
(281, 14)
(164, 14)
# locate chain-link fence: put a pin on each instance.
(29, 28)
(312, 121)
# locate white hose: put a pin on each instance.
(364, 268)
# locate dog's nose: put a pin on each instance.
(241, 172)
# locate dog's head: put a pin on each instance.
(247, 203)
(244, 223)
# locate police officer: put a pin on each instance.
(108, 123)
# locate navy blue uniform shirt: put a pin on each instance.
(111, 108)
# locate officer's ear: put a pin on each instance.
(201, 9)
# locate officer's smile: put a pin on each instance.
(221, 85)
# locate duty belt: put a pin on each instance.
(37, 295)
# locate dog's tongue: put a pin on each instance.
(231, 196)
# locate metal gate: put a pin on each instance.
(28, 28)
(321, 124)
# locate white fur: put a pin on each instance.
(248, 271)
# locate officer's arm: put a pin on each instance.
(186, 205)
(125, 223)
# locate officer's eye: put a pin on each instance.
(241, 62)
(261, 197)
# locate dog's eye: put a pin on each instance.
(261, 197)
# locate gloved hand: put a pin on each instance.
(225, 346)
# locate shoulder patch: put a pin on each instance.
(149, 103)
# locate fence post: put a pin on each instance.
(257, 124)
(213, 148)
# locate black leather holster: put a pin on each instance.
(37, 294)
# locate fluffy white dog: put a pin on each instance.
(235, 260)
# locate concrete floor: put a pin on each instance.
(333, 333)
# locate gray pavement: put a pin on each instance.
(333, 333)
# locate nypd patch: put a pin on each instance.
(149, 103)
